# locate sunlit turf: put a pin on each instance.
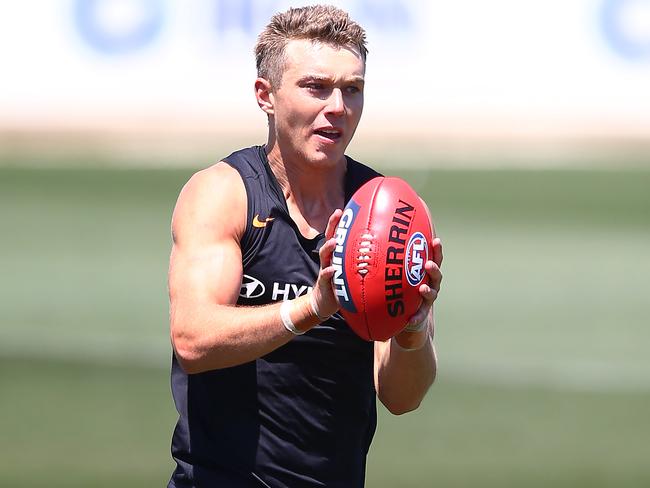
(85, 425)
(542, 331)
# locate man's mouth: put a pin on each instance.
(332, 133)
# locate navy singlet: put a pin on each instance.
(303, 415)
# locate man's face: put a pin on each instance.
(319, 102)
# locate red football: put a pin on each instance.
(382, 242)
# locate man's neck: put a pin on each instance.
(312, 192)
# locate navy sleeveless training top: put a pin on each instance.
(303, 415)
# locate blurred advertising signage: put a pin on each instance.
(124, 26)
(626, 26)
(459, 65)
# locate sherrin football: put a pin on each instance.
(382, 242)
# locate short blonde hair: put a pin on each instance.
(320, 23)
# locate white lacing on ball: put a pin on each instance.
(365, 251)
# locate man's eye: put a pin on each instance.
(353, 89)
(315, 86)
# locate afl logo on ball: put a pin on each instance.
(251, 287)
(417, 253)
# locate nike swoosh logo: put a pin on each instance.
(261, 223)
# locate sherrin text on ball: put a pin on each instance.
(383, 240)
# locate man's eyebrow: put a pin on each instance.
(320, 77)
(315, 77)
(356, 79)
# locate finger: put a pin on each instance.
(428, 293)
(434, 273)
(437, 251)
(325, 253)
(332, 223)
(328, 273)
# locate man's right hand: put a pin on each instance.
(324, 298)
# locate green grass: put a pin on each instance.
(83, 425)
(72, 424)
(484, 435)
(542, 331)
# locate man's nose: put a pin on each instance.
(335, 102)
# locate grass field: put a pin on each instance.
(542, 332)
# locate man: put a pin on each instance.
(272, 388)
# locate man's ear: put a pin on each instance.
(264, 95)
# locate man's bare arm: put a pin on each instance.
(208, 331)
(406, 365)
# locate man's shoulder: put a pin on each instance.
(249, 160)
(217, 189)
(225, 173)
(211, 207)
(217, 176)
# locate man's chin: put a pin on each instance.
(317, 156)
(323, 162)
(328, 156)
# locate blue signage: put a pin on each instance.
(93, 22)
(625, 43)
(94, 27)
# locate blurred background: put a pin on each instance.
(524, 124)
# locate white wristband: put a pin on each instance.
(420, 326)
(410, 349)
(285, 309)
(314, 308)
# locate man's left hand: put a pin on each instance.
(422, 320)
